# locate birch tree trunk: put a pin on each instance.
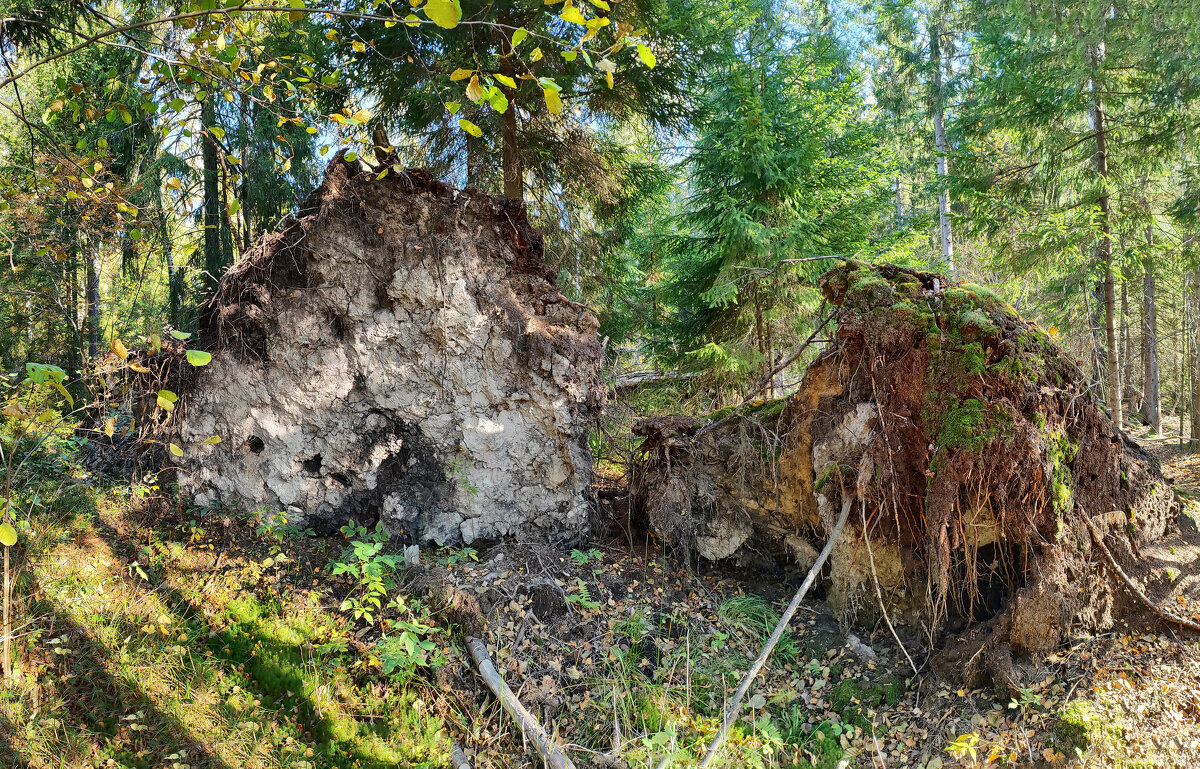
(939, 142)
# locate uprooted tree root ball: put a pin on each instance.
(398, 352)
(967, 443)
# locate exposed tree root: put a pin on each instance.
(985, 442)
(1098, 538)
(533, 731)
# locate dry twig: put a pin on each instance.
(547, 750)
(748, 680)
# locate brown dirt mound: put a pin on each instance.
(968, 443)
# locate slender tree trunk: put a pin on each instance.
(174, 284)
(939, 142)
(1183, 365)
(1125, 340)
(899, 203)
(1104, 256)
(71, 307)
(92, 256)
(213, 259)
(228, 228)
(8, 673)
(1150, 382)
(1193, 358)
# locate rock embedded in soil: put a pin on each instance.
(964, 435)
(398, 352)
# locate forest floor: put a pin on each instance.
(210, 639)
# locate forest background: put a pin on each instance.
(695, 164)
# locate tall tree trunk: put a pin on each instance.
(899, 203)
(1193, 358)
(1104, 254)
(1150, 382)
(213, 253)
(174, 279)
(514, 171)
(71, 308)
(92, 257)
(1125, 340)
(939, 142)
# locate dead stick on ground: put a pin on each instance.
(547, 750)
(731, 711)
(458, 758)
(1112, 561)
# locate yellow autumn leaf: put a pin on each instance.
(460, 74)
(646, 55)
(166, 400)
(118, 349)
(445, 13)
(505, 80)
(470, 127)
(8, 535)
(110, 426)
(553, 102)
(198, 357)
(176, 450)
(212, 440)
(571, 14)
(536, 54)
(139, 368)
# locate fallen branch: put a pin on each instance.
(533, 731)
(1133, 588)
(739, 695)
(458, 759)
(766, 379)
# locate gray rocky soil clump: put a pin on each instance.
(398, 352)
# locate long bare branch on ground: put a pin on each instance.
(533, 731)
(748, 680)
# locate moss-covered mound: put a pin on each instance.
(969, 447)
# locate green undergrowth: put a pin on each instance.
(136, 652)
(679, 714)
(1082, 727)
